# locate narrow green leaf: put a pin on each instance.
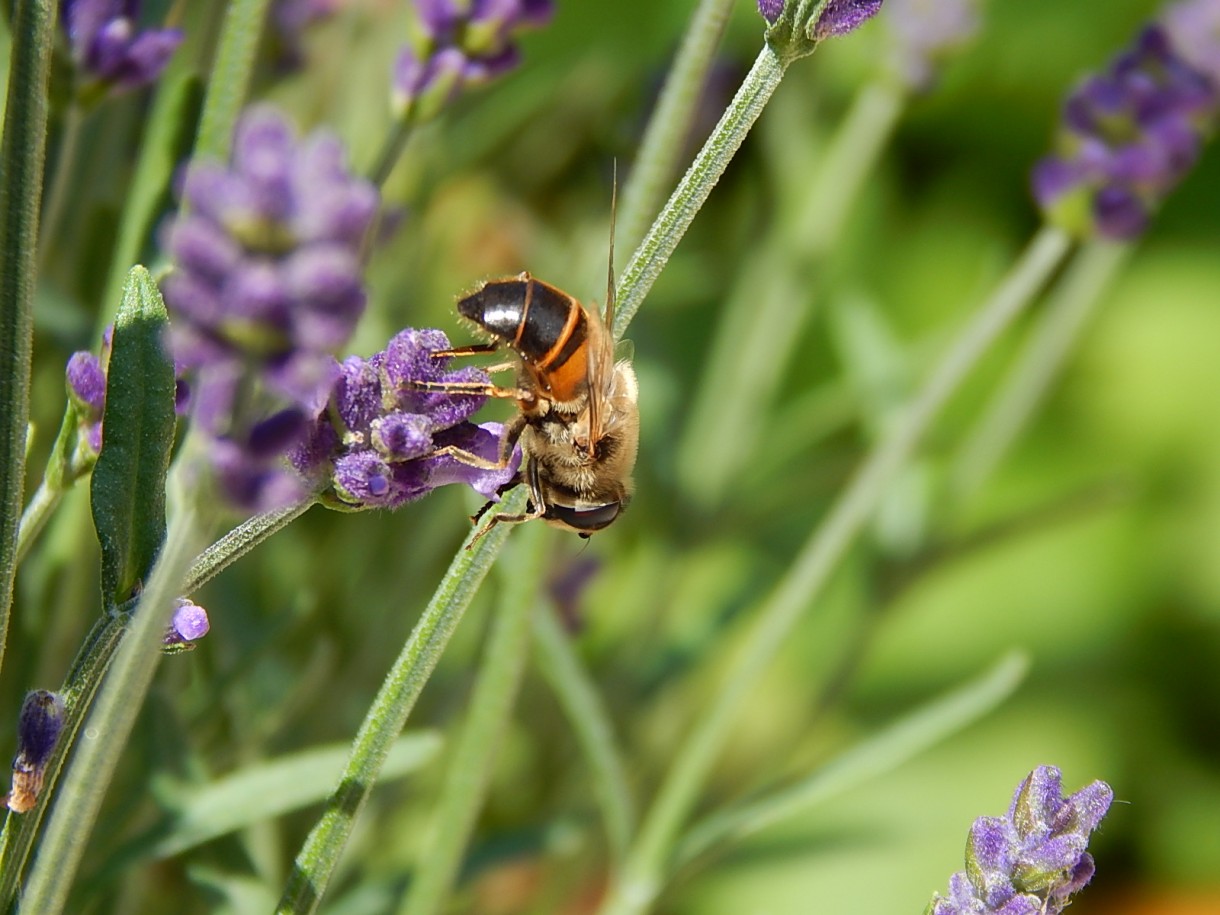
(884, 751)
(128, 486)
(262, 792)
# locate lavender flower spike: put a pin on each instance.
(1128, 137)
(375, 444)
(268, 284)
(38, 729)
(1033, 860)
(460, 43)
(108, 50)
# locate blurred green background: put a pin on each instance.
(1095, 546)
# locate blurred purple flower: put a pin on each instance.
(1033, 860)
(838, 17)
(924, 31)
(1194, 28)
(189, 624)
(38, 729)
(291, 18)
(460, 43)
(374, 444)
(268, 282)
(107, 47)
(1128, 137)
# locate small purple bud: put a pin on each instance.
(189, 624)
(106, 47)
(38, 729)
(838, 17)
(87, 384)
(771, 10)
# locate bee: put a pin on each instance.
(577, 419)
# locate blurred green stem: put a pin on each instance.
(229, 82)
(78, 799)
(1057, 331)
(22, 157)
(651, 855)
(670, 123)
(61, 181)
(316, 861)
(468, 769)
(240, 541)
(774, 294)
(693, 190)
(590, 722)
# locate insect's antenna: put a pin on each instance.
(610, 297)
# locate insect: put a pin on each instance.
(577, 421)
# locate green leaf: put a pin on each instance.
(128, 487)
(880, 753)
(261, 792)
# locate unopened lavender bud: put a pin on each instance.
(797, 27)
(86, 379)
(771, 10)
(189, 624)
(1033, 860)
(838, 17)
(109, 52)
(38, 730)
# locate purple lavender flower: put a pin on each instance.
(460, 43)
(107, 48)
(923, 32)
(1128, 137)
(375, 444)
(188, 626)
(38, 729)
(268, 282)
(1031, 861)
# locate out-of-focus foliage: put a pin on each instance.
(1094, 545)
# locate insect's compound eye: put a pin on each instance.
(586, 520)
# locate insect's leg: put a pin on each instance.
(508, 439)
(477, 388)
(537, 512)
(474, 349)
(469, 458)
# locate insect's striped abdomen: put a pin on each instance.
(547, 327)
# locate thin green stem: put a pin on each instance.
(670, 123)
(693, 190)
(229, 83)
(316, 861)
(118, 702)
(22, 158)
(240, 541)
(1059, 326)
(590, 722)
(644, 872)
(56, 480)
(61, 181)
(392, 149)
(468, 770)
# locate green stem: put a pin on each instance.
(392, 149)
(654, 251)
(240, 541)
(61, 181)
(57, 479)
(469, 768)
(590, 722)
(22, 157)
(118, 702)
(650, 856)
(670, 123)
(229, 83)
(316, 861)
(1058, 330)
